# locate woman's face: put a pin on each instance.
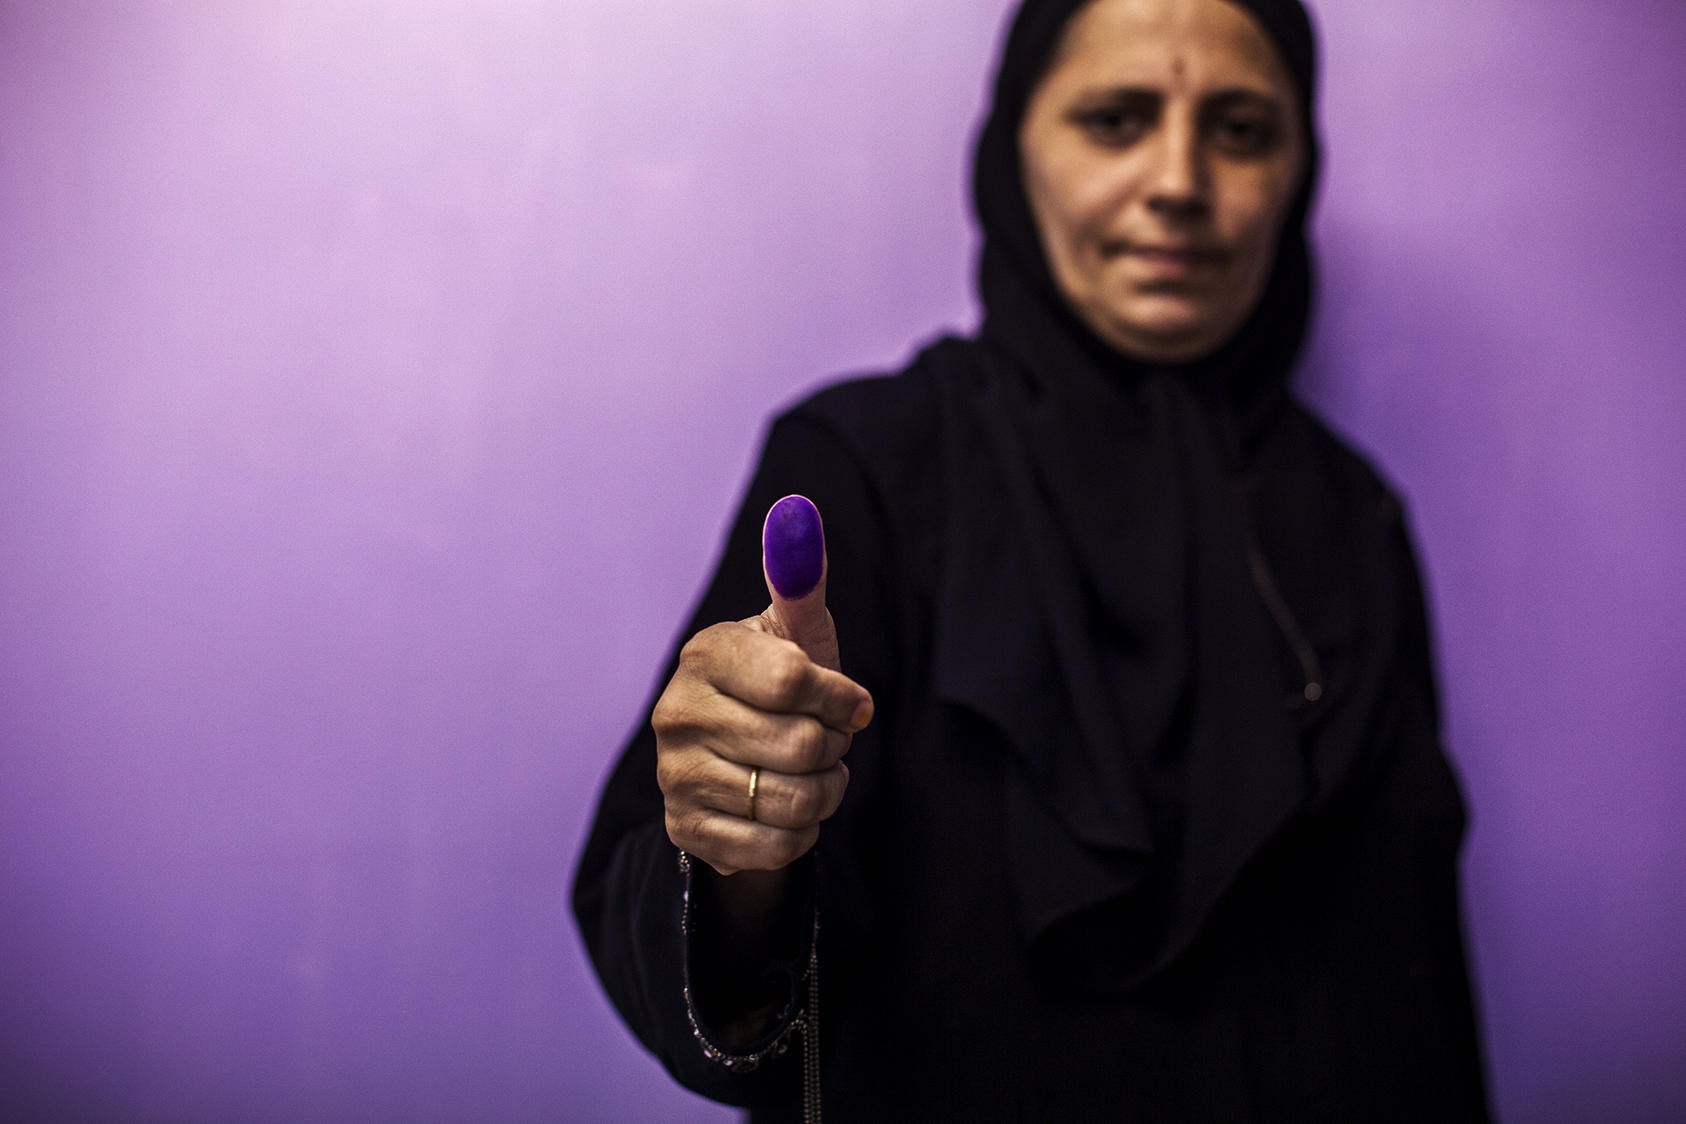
(1160, 155)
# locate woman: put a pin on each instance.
(1144, 814)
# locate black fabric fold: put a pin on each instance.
(1152, 699)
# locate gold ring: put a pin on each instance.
(754, 783)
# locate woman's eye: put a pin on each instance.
(1244, 135)
(1115, 125)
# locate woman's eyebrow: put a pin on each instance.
(1242, 95)
(1122, 92)
(1227, 97)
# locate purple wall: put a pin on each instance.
(374, 380)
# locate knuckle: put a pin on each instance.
(668, 713)
(826, 799)
(689, 657)
(699, 654)
(787, 675)
(679, 722)
(806, 804)
(675, 824)
(670, 774)
(699, 645)
(807, 746)
(791, 846)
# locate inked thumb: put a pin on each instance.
(793, 562)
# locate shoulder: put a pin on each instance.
(1361, 485)
(876, 450)
(890, 426)
(881, 411)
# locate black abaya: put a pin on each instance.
(1153, 821)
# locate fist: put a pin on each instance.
(752, 728)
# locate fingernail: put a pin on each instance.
(793, 547)
(862, 715)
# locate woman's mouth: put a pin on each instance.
(1171, 261)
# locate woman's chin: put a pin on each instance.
(1170, 332)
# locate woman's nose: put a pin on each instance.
(1179, 186)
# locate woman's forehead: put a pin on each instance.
(1203, 44)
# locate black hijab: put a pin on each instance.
(1022, 302)
(1191, 669)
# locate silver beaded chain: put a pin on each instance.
(811, 1033)
(805, 1022)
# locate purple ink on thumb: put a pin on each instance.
(793, 547)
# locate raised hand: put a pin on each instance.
(752, 728)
